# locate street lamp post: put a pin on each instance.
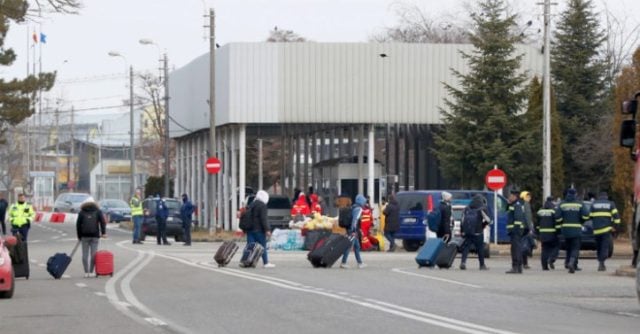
(132, 185)
(167, 161)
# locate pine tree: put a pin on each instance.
(482, 122)
(578, 73)
(16, 95)
(534, 123)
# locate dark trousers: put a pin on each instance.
(162, 230)
(516, 250)
(391, 236)
(478, 241)
(602, 246)
(261, 238)
(4, 227)
(573, 251)
(549, 252)
(23, 230)
(186, 226)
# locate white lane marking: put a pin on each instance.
(63, 235)
(416, 315)
(66, 276)
(101, 294)
(33, 261)
(81, 285)
(633, 315)
(55, 237)
(41, 265)
(34, 241)
(400, 271)
(155, 321)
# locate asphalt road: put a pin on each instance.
(176, 289)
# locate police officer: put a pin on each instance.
(20, 215)
(571, 213)
(162, 212)
(516, 220)
(136, 215)
(604, 215)
(548, 233)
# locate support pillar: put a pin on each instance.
(370, 163)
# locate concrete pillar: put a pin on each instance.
(260, 165)
(340, 142)
(406, 157)
(305, 176)
(361, 159)
(396, 153)
(217, 208)
(283, 159)
(242, 166)
(351, 149)
(297, 151)
(370, 164)
(234, 178)
(387, 153)
(332, 141)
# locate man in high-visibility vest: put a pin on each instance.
(21, 215)
(136, 215)
(572, 213)
(606, 219)
(516, 220)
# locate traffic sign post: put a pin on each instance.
(495, 180)
(213, 165)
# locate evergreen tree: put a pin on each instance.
(483, 125)
(578, 72)
(534, 160)
(16, 95)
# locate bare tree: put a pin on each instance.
(284, 36)
(622, 39)
(10, 158)
(59, 6)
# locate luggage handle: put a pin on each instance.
(75, 248)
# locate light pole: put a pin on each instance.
(167, 168)
(132, 186)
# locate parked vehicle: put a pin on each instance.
(116, 210)
(7, 277)
(414, 206)
(69, 202)
(279, 210)
(174, 222)
(587, 240)
(457, 210)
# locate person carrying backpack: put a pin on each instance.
(352, 233)
(90, 226)
(260, 230)
(473, 224)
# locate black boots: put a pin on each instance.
(601, 267)
(515, 270)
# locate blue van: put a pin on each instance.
(414, 206)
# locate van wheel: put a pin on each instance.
(411, 245)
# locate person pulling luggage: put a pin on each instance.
(516, 220)
(606, 221)
(353, 231)
(473, 224)
(444, 228)
(548, 233)
(571, 213)
(90, 226)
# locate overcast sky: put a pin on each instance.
(77, 45)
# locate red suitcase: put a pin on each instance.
(104, 263)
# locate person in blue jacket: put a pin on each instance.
(353, 231)
(162, 212)
(186, 211)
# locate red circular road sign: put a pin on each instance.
(496, 179)
(213, 165)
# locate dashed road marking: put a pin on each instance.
(155, 321)
(81, 285)
(400, 271)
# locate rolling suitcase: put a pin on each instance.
(328, 250)
(19, 254)
(58, 263)
(251, 254)
(313, 236)
(447, 255)
(428, 253)
(225, 253)
(104, 263)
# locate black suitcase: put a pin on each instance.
(251, 254)
(328, 250)
(58, 263)
(19, 254)
(447, 255)
(224, 254)
(313, 236)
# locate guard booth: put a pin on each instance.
(335, 177)
(42, 189)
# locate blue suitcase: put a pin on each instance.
(58, 263)
(428, 253)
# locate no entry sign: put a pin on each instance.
(213, 165)
(496, 179)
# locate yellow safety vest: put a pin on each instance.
(21, 214)
(136, 206)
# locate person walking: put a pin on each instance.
(391, 221)
(353, 231)
(136, 215)
(527, 233)
(444, 229)
(548, 233)
(300, 208)
(516, 220)
(90, 227)
(21, 215)
(315, 204)
(571, 213)
(162, 213)
(186, 212)
(606, 221)
(3, 213)
(260, 230)
(473, 224)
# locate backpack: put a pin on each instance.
(434, 218)
(89, 224)
(345, 216)
(246, 219)
(470, 221)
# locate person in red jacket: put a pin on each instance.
(315, 204)
(300, 209)
(366, 222)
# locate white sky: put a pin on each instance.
(84, 40)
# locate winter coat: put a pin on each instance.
(392, 216)
(90, 212)
(445, 219)
(259, 212)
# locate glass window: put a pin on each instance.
(412, 202)
(279, 203)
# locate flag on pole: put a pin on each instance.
(35, 37)
(43, 38)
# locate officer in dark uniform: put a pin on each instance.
(548, 233)
(604, 215)
(516, 220)
(572, 213)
